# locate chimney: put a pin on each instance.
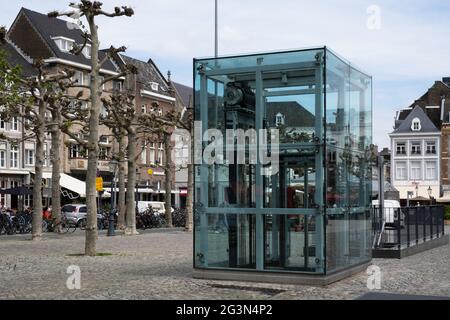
(446, 80)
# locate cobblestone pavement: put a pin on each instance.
(158, 265)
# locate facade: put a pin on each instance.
(153, 94)
(182, 148)
(305, 216)
(16, 161)
(420, 145)
(35, 36)
(415, 157)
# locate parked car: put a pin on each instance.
(76, 214)
(157, 206)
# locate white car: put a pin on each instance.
(391, 209)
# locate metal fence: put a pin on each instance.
(407, 226)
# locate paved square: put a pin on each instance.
(158, 265)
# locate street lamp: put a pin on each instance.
(138, 177)
(112, 212)
(430, 192)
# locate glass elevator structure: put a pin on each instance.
(305, 211)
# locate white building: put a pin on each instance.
(415, 145)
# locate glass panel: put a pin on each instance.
(290, 242)
(349, 240)
(349, 176)
(231, 241)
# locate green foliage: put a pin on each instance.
(447, 213)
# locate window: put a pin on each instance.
(75, 151)
(14, 124)
(104, 140)
(103, 153)
(103, 111)
(416, 170)
(29, 157)
(152, 153)
(400, 171)
(86, 79)
(155, 86)
(161, 154)
(79, 78)
(64, 44)
(144, 108)
(117, 85)
(3, 185)
(279, 119)
(2, 124)
(14, 157)
(430, 170)
(160, 112)
(416, 148)
(87, 51)
(144, 153)
(3, 155)
(431, 147)
(416, 126)
(101, 80)
(401, 148)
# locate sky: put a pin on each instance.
(404, 44)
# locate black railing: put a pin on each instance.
(407, 226)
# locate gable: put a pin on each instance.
(24, 36)
(426, 125)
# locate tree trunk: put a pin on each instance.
(168, 172)
(131, 185)
(56, 175)
(189, 199)
(121, 201)
(37, 186)
(91, 193)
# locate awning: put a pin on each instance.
(73, 184)
(70, 183)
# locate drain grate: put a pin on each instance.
(268, 291)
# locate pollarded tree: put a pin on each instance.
(90, 11)
(30, 99)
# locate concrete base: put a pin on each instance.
(405, 252)
(278, 277)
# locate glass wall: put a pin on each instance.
(282, 176)
(348, 142)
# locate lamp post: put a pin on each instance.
(430, 192)
(112, 212)
(138, 177)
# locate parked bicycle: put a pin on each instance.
(65, 226)
(150, 219)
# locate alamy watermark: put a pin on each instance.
(374, 279)
(374, 19)
(74, 280)
(228, 147)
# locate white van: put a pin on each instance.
(158, 206)
(391, 208)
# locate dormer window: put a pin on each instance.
(416, 126)
(87, 51)
(154, 86)
(279, 119)
(64, 44)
